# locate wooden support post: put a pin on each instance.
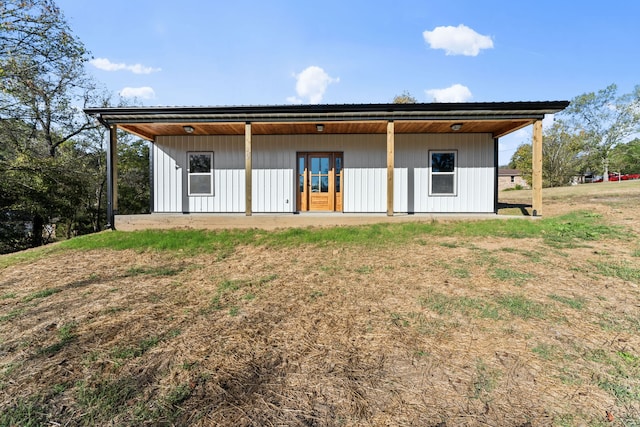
(112, 177)
(114, 151)
(537, 168)
(248, 168)
(390, 165)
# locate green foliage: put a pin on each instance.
(522, 160)
(365, 269)
(472, 307)
(315, 295)
(49, 158)
(133, 176)
(65, 335)
(137, 350)
(41, 294)
(521, 306)
(566, 230)
(514, 188)
(621, 391)
(16, 312)
(52, 161)
(621, 270)
(560, 156)
(602, 120)
(507, 274)
(178, 395)
(104, 398)
(226, 293)
(588, 136)
(153, 271)
(461, 273)
(574, 302)
(625, 157)
(546, 351)
(557, 231)
(24, 412)
(484, 381)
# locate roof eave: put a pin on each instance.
(326, 112)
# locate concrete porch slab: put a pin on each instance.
(279, 221)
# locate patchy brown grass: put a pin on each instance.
(438, 332)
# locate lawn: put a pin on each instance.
(502, 322)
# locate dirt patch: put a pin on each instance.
(444, 331)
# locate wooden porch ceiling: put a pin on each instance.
(497, 128)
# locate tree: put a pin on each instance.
(602, 120)
(625, 158)
(404, 98)
(43, 77)
(133, 176)
(560, 156)
(521, 160)
(44, 87)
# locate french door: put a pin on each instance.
(319, 182)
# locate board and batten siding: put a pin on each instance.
(274, 167)
(170, 174)
(364, 175)
(475, 172)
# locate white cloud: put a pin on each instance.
(106, 65)
(311, 85)
(454, 93)
(460, 40)
(144, 92)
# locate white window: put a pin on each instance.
(200, 174)
(442, 171)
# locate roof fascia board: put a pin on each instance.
(339, 112)
(127, 119)
(336, 108)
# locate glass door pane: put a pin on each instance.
(319, 173)
(301, 173)
(338, 167)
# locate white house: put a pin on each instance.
(359, 158)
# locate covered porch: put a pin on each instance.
(249, 123)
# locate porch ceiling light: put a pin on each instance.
(456, 127)
(188, 129)
(320, 127)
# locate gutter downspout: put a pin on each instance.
(111, 145)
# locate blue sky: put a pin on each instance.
(195, 52)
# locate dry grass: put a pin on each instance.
(439, 332)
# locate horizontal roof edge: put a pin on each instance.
(342, 111)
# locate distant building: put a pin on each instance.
(509, 178)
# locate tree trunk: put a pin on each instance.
(605, 173)
(38, 228)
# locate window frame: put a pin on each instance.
(190, 174)
(453, 173)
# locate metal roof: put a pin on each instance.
(337, 111)
(500, 117)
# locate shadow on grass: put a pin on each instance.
(521, 206)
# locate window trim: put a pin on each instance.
(454, 173)
(190, 174)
